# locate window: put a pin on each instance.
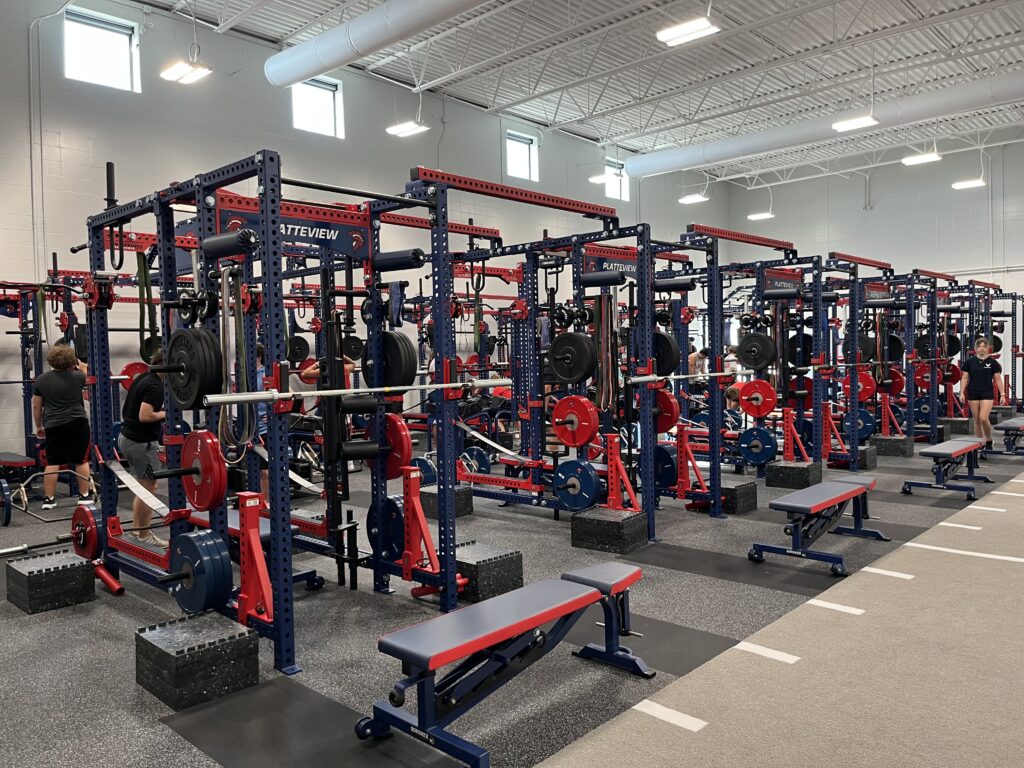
(102, 50)
(521, 156)
(616, 180)
(317, 106)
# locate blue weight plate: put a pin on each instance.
(922, 408)
(703, 418)
(5, 503)
(897, 411)
(393, 527)
(206, 587)
(863, 422)
(428, 472)
(757, 445)
(478, 456)
(806, 430)
(664, 466)
(582, 485)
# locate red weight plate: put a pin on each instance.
(472, 362)
(131, 371)
(64, 322)
(758, 398)
(207, 489)
(307, 363)
(805, 384)
(397, 435)
(575, 420)
(899, 381)
(952, 374)
(922, 372)
(866, 386)
(666, 411)
(85, 536)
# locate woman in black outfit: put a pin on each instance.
(979, 374)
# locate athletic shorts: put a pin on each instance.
(68, 443)
(973, 396)
(141, 458)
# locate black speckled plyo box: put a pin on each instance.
(609, 530)
(48, 581)
(491, 571)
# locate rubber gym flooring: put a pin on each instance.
(923, 652)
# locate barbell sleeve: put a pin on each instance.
(163, 474)
(169, 578)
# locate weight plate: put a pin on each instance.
(997, 344)
(575, 420)
(758, 446)
(183, 350)
(951, 374)
(899, 382)
(863, 421)
(896, 349)
(207, 489)
(666, 411)
(866, 386)
(5, 503)
(392, 527)
(296, 349)
(205, 587)
(702, 420)
(897, 411)
(756, 351)
(397, 435)
(207, 304)
(573, 357)
(800, 356)
(131, 370)
(428, 471)
(758, 398)
(88, 537)
(923, 347)
(923, 375)
(148, 347)
(802, 384)
(576, 485)
(399, 359)
(214, 371)
(807, 433)
(666, 353)
(865, 345)
(352, 347)
(922, 410)
(478, 459)
(665, 475)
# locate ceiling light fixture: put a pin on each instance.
(694, 29)
(192, 70)
(861, 121)
(974, 183)
(696, 197)
(920, 158)
(599, 179)
(409, 127)
(762, 215)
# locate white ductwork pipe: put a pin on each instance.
(368, 33)
(958, 99)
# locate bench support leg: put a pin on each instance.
(945, 471)
(860, 514)
(804, 531)
(616, 625)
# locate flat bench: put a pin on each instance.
(1013, 432)
(949, 457)
(490, 643)
(816, 510)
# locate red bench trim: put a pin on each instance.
(497, 636)
(967, 448)
(855, 490)
(623, 584)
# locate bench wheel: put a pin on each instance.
(971, 497)
(838, 569)
(755, 556)
(315, 583)
(397, 697)
(364, 728)
(906, 490)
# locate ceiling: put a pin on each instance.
(594, 68)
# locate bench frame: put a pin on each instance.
(945, 470)
(1011, 438)
(807, 528)
(441, 701)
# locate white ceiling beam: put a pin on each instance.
(338, 9)
(883, 34)
(242, 15)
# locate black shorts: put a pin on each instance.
(67, 443)
(972, 396)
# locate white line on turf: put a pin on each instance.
(1015, 480)
(957, 525)
(988, 509)
(1007, 493)
(835, 607)
(883, 572)
(768, 653)
(986, 555)
(654, 709)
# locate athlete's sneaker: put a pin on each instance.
(49, 503)
(87, 498)
(148, 537)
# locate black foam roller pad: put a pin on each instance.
(829, 297)
(230, 243)
(360, 449)
(390, 261)
(358, 404)
(601, 279)
(1001, 313)
(679, 284)
(771, 294)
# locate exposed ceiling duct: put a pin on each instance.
(958, 99)
(367, 33)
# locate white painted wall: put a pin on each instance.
(170, 132)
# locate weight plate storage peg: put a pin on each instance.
(866, 386)
(575, 420)
(802, 384)
(203, 557)
(758, 398)
(666, 411)
(863, 422)
(666, 353)
(576, 485)
(758, 445)
(756, 350)
(208, 487)
(573, 357)
(397, 435)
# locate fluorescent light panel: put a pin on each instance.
(599, 179)
(185, 72)
(687, 31)
(968, 184)
(761, 216)
(921, 158)
(853, 123)
(198, 73)
(176, 71)
(406, 129)
(697, 197)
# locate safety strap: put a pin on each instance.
(496, 446)
(298, 479)
(133, 485)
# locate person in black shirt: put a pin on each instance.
(976, 384)
(59, 411)
(141, 416)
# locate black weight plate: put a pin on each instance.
(352, 347)
(997, 344)
(865, 345)
(412, 358)
(896, 349)
(756, 350)
(801, 357)
(953, 346)
(187, 311)
(666, 353)
(215, 372)
(398, 351)
(206, 304)
(149, 345)
(183, 350)
(573, 357)
(392, 527)
(296, 350)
